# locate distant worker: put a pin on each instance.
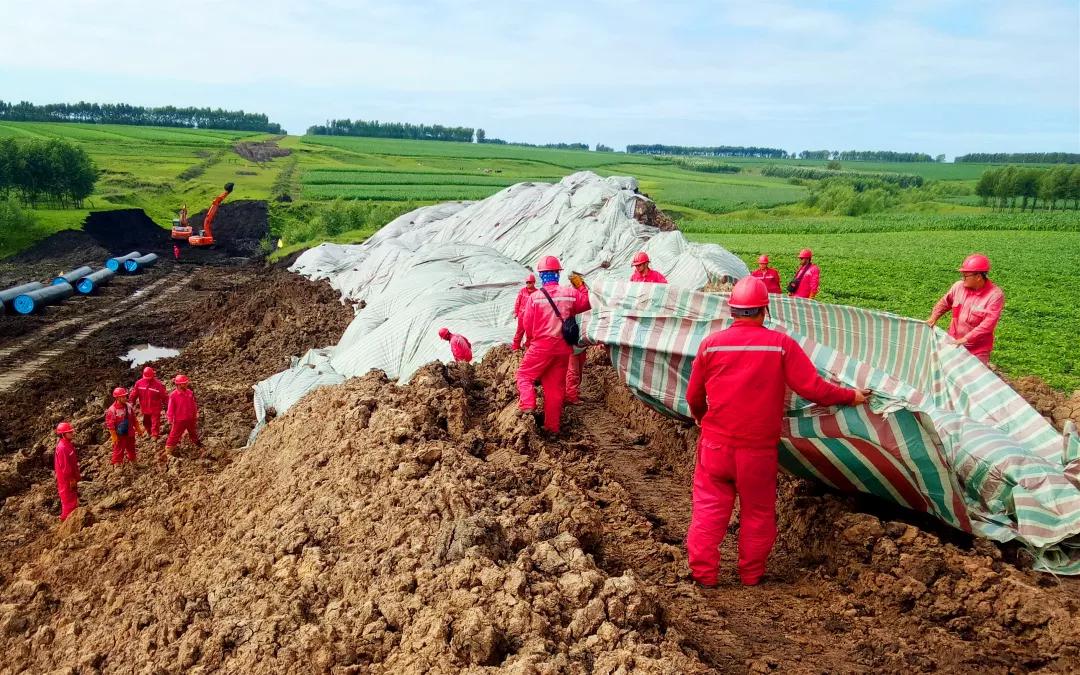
(519, 309)
(460, 347)
(150, 395)
(642, 272)
(176, 252)
(122, 424)
(183, 415)
(576, 365)
(807, 279)
(66, 465)
(549, 352)
(976, 304)
(736, 394)
(769, 275)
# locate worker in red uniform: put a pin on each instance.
(976, 304)
(519, 309)
(576, 364)
(150, 395)
(183, 415)
(123, 424)
(807, 279)
(460, 347)
(176, 252)
(642, 272)
(769, 275)
(549, 353)
(736, 393)
(66, 465)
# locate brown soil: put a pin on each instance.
(430, 528)
(260, 151)
(238, 229)
(1051, 404)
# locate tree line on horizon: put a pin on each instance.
(404, 130)
(1001, 187)
(706, 151)
(1020, 158)
(134, 115)
(481, 137)
(52, 171)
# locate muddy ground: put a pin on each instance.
(430, 528)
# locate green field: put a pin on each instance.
(900, 261)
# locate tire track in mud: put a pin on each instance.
(27, 354)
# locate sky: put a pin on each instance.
(934, 76)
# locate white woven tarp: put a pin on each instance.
(460, 265)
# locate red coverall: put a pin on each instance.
(125, 443)
(548, 354)
(183, 415)
(771, 277)
(975, 314)
(461, 348)
(736, 392)
(519, 310)
(151, 395)
(809, 277)
(66, 465)
(651, 276)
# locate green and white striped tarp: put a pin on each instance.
(942, 434)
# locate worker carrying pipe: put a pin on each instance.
(769, 275)
(460, 347)
(150, 396)
(519, 309)
(642, 272)
(807, 280)
(976, 304)
(736, 394)
(551, 329)
(66, 466)
(183, 416)
(122, 423)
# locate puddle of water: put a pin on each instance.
(140, 355)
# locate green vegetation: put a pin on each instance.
(52, 171)
(706, 151)
(376, 129)
(137, 115)
(1005, 185)
(1021, 158)
(903, 180)
(705, 165)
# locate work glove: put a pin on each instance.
(115, 438)
(576, 280)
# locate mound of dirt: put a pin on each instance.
(260, 151)
(1050, 403)
(126, 230)
(238, 227)
(429, 528)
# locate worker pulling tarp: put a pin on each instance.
(943, 434)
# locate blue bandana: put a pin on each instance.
(549, 277)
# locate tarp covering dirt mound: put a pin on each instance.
(238, 227)
(460, 265)
(943, 434)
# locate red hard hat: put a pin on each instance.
(64, 428)
(763, 260)
(806, 253)
(148, 372)
(531, 279)
(549, 263)
(976, 262)
(640, 258)
(444, 333)
(181, 379)
(749, 293)
(118, 392)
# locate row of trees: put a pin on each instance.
(1003, 186)
(122, 113)
(870, 156)
(714, 151)
(901, 180)
(46, 171)
(377, 129)
(1020, 158)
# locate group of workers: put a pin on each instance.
(133, 413)
(738, 382)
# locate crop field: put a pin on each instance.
(928, 170)
(903, 264)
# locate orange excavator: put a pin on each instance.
(181, 229)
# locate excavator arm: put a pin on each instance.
(206, 238)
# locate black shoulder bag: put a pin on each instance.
(570, 331)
